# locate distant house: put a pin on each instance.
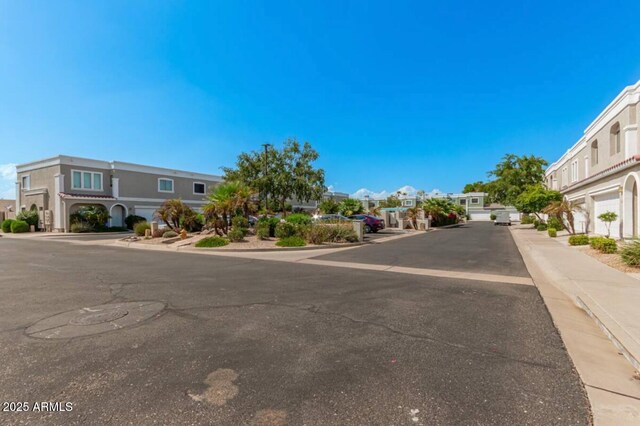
(475, 204)
(56, 187)
(312, 205)
(7, 209)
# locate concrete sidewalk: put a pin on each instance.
(569, 280)
(610, 297)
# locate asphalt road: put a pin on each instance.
(253, 342)
(472, 247)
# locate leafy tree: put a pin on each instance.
(607, 218)
(94, 216)
(513, 175)
(329, 206)
(350, 207)
(478, 186)
(391, 201)
(535, 198)
(290, 173)
(442, 210)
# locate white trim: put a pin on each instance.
(173, 187)
(82, 173)
(194, 188)
(576, 197)
(613, 188)
(113, 165)
(58, 217)
(159, 200)
(120, 165)
(36, 191)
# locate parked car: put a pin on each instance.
(371, 223)
(333, 218)
(502, 218)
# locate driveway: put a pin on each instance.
(475, 247)
(244, 341)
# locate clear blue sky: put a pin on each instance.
(429, 94)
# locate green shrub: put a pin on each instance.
(272, 222)
(317, 233)
(141, 227)
(131, 220)
(212, 242)
(285, 229)
(19, 226)
(603, 244)
(94, 215)
(595, 242)
(630, 254)
(29, 216)
(609, 245)
(578, 240)
(6, 225)
(541, 227)
(293, 241)
(80, 227)
(299, 219)
(239, 222)
(170, 234)
(527, 220)
(190, 220)
(262, 230)
(492, 216)
(555, 223)
(236, 234)
(552, 232)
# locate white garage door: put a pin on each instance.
(480, 215)
(146, 212)
(606, 203)
(580, 219)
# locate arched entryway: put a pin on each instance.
(630, 206)
(118, 213)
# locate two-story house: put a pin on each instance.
(56, 187)
(601, 171)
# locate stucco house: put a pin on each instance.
(7, 209)
(58, 186)
(601, 171)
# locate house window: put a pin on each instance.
(574, 171)
(91, 181)
(615, 139)
(594, 153)
(199, 188)
(165, 185)
(475, 201)
(586, 167)
(408, 203)
(463, 201)
(26, 182)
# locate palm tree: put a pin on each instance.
(564, 211)
(412, 214)
(225, 201)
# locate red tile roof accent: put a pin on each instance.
(97, 197)
(627, 162)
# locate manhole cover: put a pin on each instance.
(94, 320)
(93, 317)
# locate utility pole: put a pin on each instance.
(266, 171)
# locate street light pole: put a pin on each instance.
(266, 171)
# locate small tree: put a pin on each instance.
(607, 218)
(170, 212)
(329, 206)
(350, 207)
(535, 198)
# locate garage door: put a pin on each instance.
(580, 219)
(146, 212)
(480, 215)
(606, 203)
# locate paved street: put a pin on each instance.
(243, 341)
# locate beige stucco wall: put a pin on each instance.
(66, 170)
(145, 185)
(40, 179)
